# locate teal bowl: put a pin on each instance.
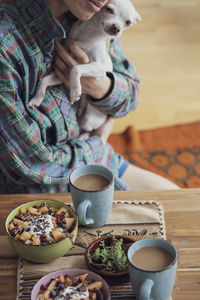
(43, 253)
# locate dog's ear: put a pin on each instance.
(137, 17)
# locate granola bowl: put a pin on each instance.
(72, 281)
(94, 258)
(42, 230)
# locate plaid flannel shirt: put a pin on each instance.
(40, 147)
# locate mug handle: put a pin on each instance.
(82, 213)
(145, 289)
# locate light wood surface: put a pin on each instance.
(165, 49)
(182, 219)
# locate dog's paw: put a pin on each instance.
(35, 102)
(84, 136)
(75, 95)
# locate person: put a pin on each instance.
(40, 147)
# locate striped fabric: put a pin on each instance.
(40, 147)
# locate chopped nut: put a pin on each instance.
(63, 209)
(61, 278)
(81, 277)
(20, 222)
(46, 295)
(25, 236)
(22, 210)
(34, 211)
(57, 235)
(43, 209)
(11, 226)
(69, 222)
(36, 240)
(17, 237)
(94, 285)
(52, 285)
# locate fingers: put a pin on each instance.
(63, 76)
(65, 60)
(74, 56)
(60, 64)
(78, 54)
(64, 55)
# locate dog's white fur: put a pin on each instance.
(92, 36)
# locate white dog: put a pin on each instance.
(92, 36)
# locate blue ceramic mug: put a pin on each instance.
(157, 284)
(93, 207)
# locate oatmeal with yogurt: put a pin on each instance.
(67, 288)
(41, 225)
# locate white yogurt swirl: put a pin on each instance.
(40, 225)
(72, 292)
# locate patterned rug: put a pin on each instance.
(173, 152)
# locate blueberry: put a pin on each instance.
(61, 286)
(53, 294)
(62, 225)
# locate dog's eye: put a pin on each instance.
(128, 22)
(109, 10)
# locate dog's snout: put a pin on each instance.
(114, 29)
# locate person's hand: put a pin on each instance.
(104, 130)
(64, 61)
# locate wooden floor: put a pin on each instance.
(165, 49)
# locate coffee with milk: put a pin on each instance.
(91, 182)
(152, 258)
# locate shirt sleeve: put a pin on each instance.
(123, 96)
(24, 157)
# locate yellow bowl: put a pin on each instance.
(43, 253)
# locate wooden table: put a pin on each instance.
(182, 219)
